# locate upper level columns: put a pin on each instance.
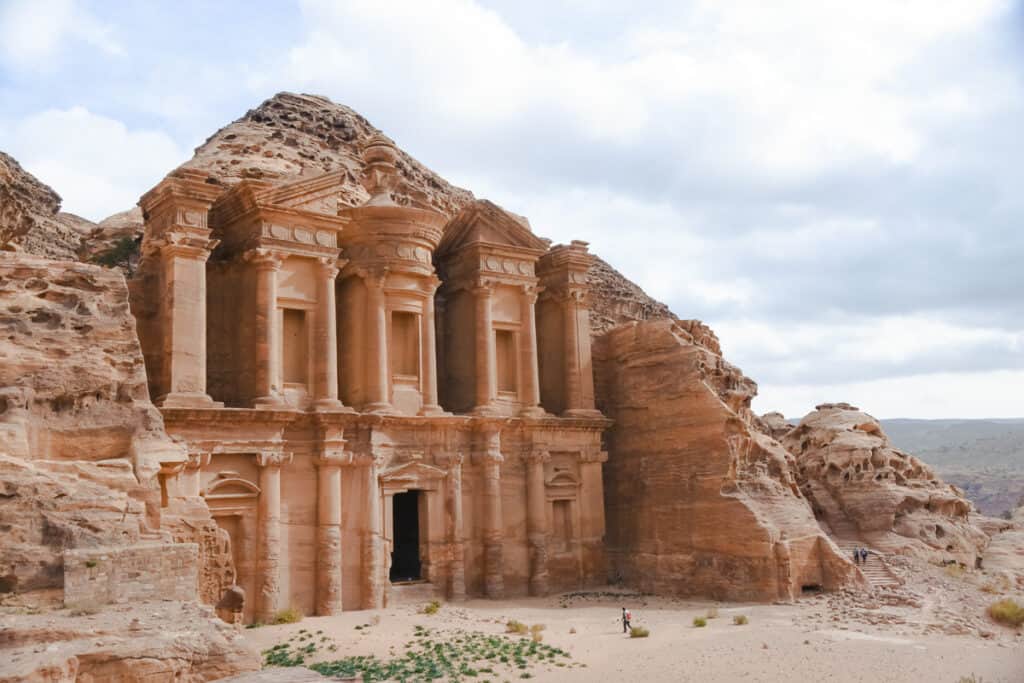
(428, 347)
(377, 384)
(528, 353)
(486, 372)
(268, 337)
(579, 372)
(326, 336)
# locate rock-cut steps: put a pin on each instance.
(876, 570)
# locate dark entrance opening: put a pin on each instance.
(405, 558)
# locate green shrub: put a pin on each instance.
(712, 613)
(1007, 612)
(638, 632)
(431, 607)
(700, 622)
(739, 619)
(292, 615)
(535, 632)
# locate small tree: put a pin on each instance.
(122, 254)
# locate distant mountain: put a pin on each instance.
(983, 457)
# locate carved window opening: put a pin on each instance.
(561, 527)
(295, 347)
(405, 344)
(505, 355)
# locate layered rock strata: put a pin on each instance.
(863, 488)
(699, 502)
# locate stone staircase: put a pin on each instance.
(876, 570)
(413, 592)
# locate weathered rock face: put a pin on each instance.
(155, 641)
(615, 300)
(863, 487)
(698, 502)
(29, 215)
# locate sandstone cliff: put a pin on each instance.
(698, 501)
(81, 448)
(863, 488)
(30, 218)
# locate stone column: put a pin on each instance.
(493, 523)
(268, 564)
(579, 373)
(329, 552)
(485, 352)
(268, 344)
(457, 571)
(531, 379)
(428, 347)
(189, 478)
(377, 380)
(183, 310)
(373, 587)
(326, 337)
(537, 521)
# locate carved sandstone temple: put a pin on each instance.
(373, 396)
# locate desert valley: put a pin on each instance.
(311, 410)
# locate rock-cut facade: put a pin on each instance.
(376, 400)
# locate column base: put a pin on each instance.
(380, 408)
(533, 411)
(583, 412)
(187, 399)
(330, 405)
(486, 410)
(270, 402)
(433, 410)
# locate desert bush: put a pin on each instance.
(516, 627)
(739, 619)
(700, 622)
(712, 613)
(431, 607)
(955, 571)
(970, 679)
(292, 615)
(535, 632)
(638, 632)
(1007, 612)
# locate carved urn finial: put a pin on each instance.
(380, 176)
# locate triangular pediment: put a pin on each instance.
(483, 222)
(412, 471)
(318, 194)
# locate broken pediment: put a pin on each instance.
(483, 222)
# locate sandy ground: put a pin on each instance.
(797, 642)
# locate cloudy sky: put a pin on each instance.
(835, 187)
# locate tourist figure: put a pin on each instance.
(856, 555)
(863, 555)
(626, 617)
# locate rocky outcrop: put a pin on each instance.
(155, 641)
(864, 488)
(615, 300)
(699, 502)
(30, 218)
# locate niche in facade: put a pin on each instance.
(505, 355)
(294, 349)
(405, 344)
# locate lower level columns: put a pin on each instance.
(493, 523)
(537, 521)
(268, 564)
(328, 551)
(457, 549)
(373, 570)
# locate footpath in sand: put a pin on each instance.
(820, 638)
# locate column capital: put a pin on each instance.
(335, 458)
(373, 277)
(264, 259)
(450, 459)
(198, 460)
(531, 292)
(483, 288)
(593, 455)
(273, 458)
(537, 455)
(430, 284)
(195, 249)
(329, 267)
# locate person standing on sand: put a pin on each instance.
(856, 555)
(863, 555)
(626, 617)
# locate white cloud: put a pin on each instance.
(97, 164)
(33, 32)
(945, 395)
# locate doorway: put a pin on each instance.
(405, 558)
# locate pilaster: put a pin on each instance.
(537, 520)
(269, 562)
(493, 532)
